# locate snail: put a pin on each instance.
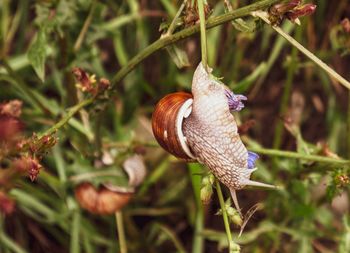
(102, 200)
(201, 127)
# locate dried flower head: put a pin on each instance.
(10, 128)
(87, 83)
(7, 205)
(346, 25)
(342, 180)
(291, 10)
(12, 108)
(33, 167)
(300, 11)
(191, 13)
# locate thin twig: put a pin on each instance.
(73, 110)
(86, 25)
(173, 22)
(290, 154)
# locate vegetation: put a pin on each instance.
(79, 82)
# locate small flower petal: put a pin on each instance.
(252, 157)
(234, 101)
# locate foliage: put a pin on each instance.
(71, 133)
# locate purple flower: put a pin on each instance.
(252, 157)
(235, 101)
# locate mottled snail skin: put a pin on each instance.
(212, 134)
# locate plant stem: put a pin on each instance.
(86, 25)
(348, 125)
(289, 154)
(75, 231)
(173, 22)
(264, 16)
(121, 234)
(203, 34)
(224, 214)
(198, 240)
(73, 110)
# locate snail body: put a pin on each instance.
(210, 132)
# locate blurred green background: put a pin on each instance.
(292, 105)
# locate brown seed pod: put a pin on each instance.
(167, 122)
(101, 201)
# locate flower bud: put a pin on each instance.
(301, 11)
(207, 188)
(234, 216)
(206, 193)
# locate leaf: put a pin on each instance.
(247, 26)
(37, 53)
(178, 56)
(344, 245)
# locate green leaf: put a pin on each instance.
(178, 56)
(37, 53)
(344, 245)
(247, 26)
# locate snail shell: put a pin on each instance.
(100, 201)
(167, 121)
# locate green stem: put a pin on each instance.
(173, 22)
(73, 110)
(75, 240)
(198, 240)
(290, 154)
(203, 34)
(348, 125)
(161, 43)
(224, 214)
(264, 16)
(121, 234)
(86, 25)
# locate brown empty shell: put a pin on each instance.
(102, 201)
(167, 123)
